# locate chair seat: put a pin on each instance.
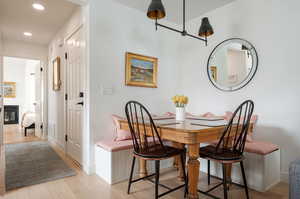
(209, 152)
(156, 152)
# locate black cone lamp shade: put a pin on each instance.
(205, 28)
(156, 10)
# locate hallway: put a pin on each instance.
(14, 134)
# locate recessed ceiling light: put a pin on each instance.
(38, 6)
(27, 34)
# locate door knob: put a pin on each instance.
(80, 103)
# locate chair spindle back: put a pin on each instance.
(144, 133)
(237, 129)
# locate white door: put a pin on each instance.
(74, 75)
(38, 100)
(2, 150)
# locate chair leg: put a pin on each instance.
(157, 165)
(208, 172)
(131, 174)
(182, 157)
(245, 180)
(224, 181)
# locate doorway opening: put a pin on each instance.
(22, 100)
(31, 138)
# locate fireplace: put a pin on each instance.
(11, 114)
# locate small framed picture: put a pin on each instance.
(141, 70)
(56, 74)
(214, 72)
(9, 89)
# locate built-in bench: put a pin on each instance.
(262, 166)
(114, 158)
(262, 163)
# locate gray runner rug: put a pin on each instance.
(33, 163)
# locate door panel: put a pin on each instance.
(75, 98)
(38, 100)
(2, 148)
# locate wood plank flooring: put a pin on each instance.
(14, 134)
(83, 186)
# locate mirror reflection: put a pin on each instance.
(232, 64)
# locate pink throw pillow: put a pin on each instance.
(120, 134)
(187, 114)
(208, 115)
(173, 114)
(169, 114)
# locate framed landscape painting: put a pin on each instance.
(56, 74)
(9, 89)
(141, 70)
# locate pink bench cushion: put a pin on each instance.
(261, 148)
(120, 134)
(257, 147)
(113, 146)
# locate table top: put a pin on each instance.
(191, 124)
(191, 131)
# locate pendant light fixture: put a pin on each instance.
(157, 11)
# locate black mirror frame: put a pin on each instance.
(243, 83)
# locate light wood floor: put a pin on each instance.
(14, 134)
(83, 186)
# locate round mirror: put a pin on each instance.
(232, 64)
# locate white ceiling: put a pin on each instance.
(194, 8)
(18, 16)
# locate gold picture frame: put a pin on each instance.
(141, 70)
(56, 74)
(214, 73)
(9, 89)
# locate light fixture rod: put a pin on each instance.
(169, 28)
(181, 32)
(205, 40)
(183, 16)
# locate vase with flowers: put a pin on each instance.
(180, 102)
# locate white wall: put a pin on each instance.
(1, 43)
(19, 70)
(22, 49)
(14, 70)
(273, 28)
(30, 85)
(56, 99)
(115, 30)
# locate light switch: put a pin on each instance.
(107, 91)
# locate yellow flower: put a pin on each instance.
(180, 100)
(186, 100)
(173, 99)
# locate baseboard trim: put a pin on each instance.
(284, 177)
(88, 170)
